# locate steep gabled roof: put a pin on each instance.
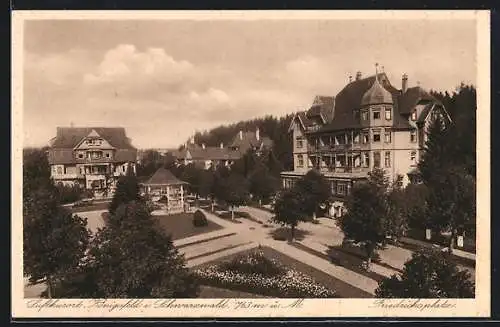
(163, 177)
(249, 140)
(350, 99)
(323, 106)
(69, 137)
(214, 153)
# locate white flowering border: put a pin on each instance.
(289, 284)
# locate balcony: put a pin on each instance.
(313, 128)
(67, 176)
(344, 169)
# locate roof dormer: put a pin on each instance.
(93, 141)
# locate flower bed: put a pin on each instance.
(256, 273)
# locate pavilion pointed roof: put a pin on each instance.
(163, 177)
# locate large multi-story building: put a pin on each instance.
(92, 157)
(369, 124)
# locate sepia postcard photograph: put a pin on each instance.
(196, 164)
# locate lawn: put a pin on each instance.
(342, 289)
(93, 207)
(181, 225)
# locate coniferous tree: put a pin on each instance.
(127, 190)
(54, 240)
(134, 258)
(437, 155)
(451, 202)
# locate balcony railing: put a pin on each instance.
(343, 169)
(68, 176)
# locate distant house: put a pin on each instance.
(206, 157)
(163, 185)
(245, 141)
(92, 157)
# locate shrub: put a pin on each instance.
(199, 219)
(253, 263)
(105, 216)
(68, 194)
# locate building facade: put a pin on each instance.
(91, 157)
(369, 124)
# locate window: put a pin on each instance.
(414, 115)
(376, 136)
(59, 170)
(80, 156)
(300, 142)
(376, 114)
(413, 136)
(365, 138)
(387, 159)
(82, 171)
(364, 115)
(388, 115)
(356, 138)
(341, 188)
(387, 136)
(357, 161)
(333, 187)
(366, 159)
(300, 160)
(107, 155)
(413, 157)
(376, 159)
(356, 114)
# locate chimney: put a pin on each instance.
(404, 83)
(192, 140)
(203, 145)
(358, 76)
(257, 134)
(221, 145)
(241, 135)
(350, 78)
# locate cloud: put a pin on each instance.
(57, 68)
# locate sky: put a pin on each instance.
(164, 80)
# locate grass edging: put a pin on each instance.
(205, 240)
(352, 267)
(206, 254)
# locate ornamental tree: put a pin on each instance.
(315, 190)
(428, 274)
(365, 220)
(288, 209)
(232, 190)
(263, 185)
(136, 259)
(397, 210)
